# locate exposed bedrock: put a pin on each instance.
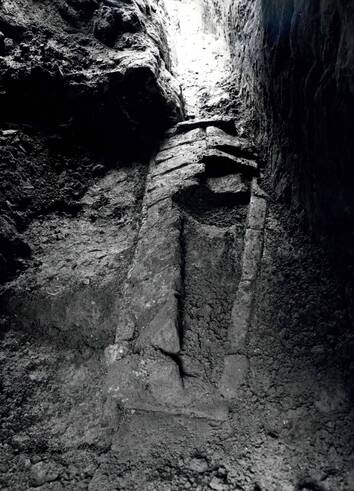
(294, 64)
(97, 68)
(84, 85)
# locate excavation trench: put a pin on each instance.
(212, 272)
(172, 334)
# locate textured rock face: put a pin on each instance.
(100, 68)
(294, 63)
(82, 84)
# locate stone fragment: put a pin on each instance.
(240, 317)
(198, 464)
(43, 472)
(236, 368)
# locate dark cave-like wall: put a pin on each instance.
(98, 68)
(294, 64)
(84, 85)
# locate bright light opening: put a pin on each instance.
(201, 57)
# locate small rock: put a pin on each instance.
(217, 484)
(222, 471)
(43, 472)
(24, 462)
(116, 352)
(199, 465)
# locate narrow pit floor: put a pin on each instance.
(212, 272)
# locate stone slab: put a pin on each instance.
(257, 213)
(191, 152)
(175, 175)
(226, 124)
(214, 156)
(240, 317)
(197, 134)
(252, 253)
